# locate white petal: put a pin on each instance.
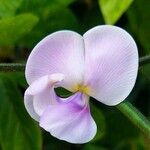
(42, 100)
(111, 59)
(43, 82)
(40, 94)
(28, 101)
(62, 52)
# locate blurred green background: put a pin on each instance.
(23, 23)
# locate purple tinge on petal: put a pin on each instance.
(111, 60)
(63, 52)
(70, 120)
(40, 94)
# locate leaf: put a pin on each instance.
(28, 4)
(100, 122)
(90, 17)
(62, 92)
(19, 79)
(6, 53)
(13, 28)
(118, 128)
(93, 147)
(112, 10)
(138, 18)
(59, 2)
(17, 130)
(50, 22)
(8, 7)
(145, 71)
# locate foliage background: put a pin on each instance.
(23, 23)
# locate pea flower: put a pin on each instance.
(103, 64)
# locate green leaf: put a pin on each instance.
(50, 22)
(145, 70)
(118, 128)
(100, 122)
(18, 78)
(90, 17)
(8, 7)
(138, 17)
(112, 10)
(13, 28)
(93, 147)
(62, 92)
(17, 130)
(28, 4)
(60, 2)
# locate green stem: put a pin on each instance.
(136, 117)
(6, 67)
(9, 67)
(144, 60)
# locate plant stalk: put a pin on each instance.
(136, 117)
(144, 60)
(8, 67)
(12, 67)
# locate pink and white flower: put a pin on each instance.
(103, 64)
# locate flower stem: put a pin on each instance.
(11, 67)
(136, 117)
(8, 67)
(144, 60)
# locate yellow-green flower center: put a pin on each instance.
(84, 89)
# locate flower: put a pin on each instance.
(103, 64)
